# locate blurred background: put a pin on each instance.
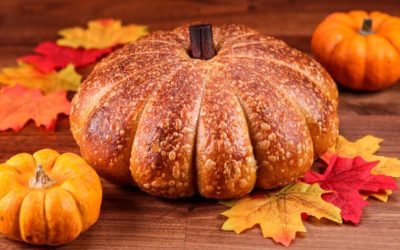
(25, 23)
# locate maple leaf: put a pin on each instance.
(366, 147)
(382, 195)
(19, 104)
(347, 177)
(104, 33)
(29, 76)
(228, 203)
(279, 213)
(51, 56)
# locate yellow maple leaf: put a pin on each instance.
(228, 203)
(382, 195)
(366, 147)
(27, 75)
(279, 213)
(101, 34)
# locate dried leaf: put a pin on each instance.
(228, 203)
(51, 56)
(101, 34)
(382, 195)
(29, 76)
(347, 177)
(366, 147)
(279, 213)
(19, 104)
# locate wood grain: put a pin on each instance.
(131, 219)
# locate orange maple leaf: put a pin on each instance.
(101, 34)
(279, 213)
(19, 104)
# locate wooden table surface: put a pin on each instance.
(132, 219)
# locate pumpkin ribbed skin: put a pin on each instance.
(253, 115)
(358, 60)
(51, 215)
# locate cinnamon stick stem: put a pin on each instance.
(195, 41)
(207, 49)
(201, 41)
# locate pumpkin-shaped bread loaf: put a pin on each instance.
(168, 115)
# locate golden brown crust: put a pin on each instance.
(184, 124)
(162, 152)
(245, 40)
(279, 133)
(230, 33)
(224, 157)
(108, 73)
(278, 52)
(316, 98)
(111, 126)
(304, 94)
(110, 118)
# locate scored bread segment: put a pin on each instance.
(225, 163)
(276, 51)
(317, 110)
(162, 152)
(115, 68)
(301, 80)
(111, 123)
(279, 133)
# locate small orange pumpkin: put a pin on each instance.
(360, 50)
(47, 198)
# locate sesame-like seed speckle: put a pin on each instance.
(265, 126)
(171, 190)
(176, 170)
(264, 145)
(271, 137)
(172, 155)
(209, 189)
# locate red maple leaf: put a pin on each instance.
(19, 104)
(51, 56)
(346, 177)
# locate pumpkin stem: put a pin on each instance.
(366, 28)
(41, 180)
(201, 41)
